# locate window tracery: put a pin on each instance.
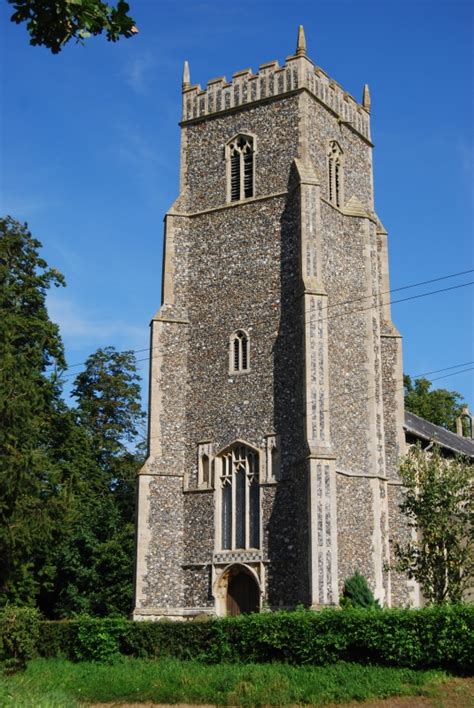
(239, 352)
(240, 160)
(240, 499)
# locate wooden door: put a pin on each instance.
(242, 595)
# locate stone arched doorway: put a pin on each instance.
(243, 595)
(237, 591)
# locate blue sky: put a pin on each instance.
(90, 146)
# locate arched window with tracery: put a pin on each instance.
(335, 173)
(240, 168)
(239, 359)
(240, 499)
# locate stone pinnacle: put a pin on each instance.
(366, 98)
(301, 43)
(186, 75)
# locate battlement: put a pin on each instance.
(272, 81)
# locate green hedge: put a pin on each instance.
(431, 637)
(19, 636)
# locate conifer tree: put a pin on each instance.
(95, 555)
(356, 592)
(31, 352)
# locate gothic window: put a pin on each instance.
(239, 352)
(240, 166)
(240, 499)
(335, 173)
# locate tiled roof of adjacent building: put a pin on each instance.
(429, 431)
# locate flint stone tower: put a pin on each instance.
(276, 409)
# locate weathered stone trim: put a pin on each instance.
(345, 473)
(237, 556)
(156, 613)
(170, 320)
(348, 212)
(270, 99)
(143, 538)
(198, 490)
(231, 205)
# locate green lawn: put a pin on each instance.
(49, 683)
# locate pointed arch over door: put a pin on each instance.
(242, 595)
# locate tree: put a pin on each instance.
(356, 593)
(95, 556)
(440, 406)
(438, 501)
(53, 23)
(31, 484)
(108, 405)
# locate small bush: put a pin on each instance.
(98, 640)
(356, 593)
(19, 634)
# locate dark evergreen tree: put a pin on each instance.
(32, 492)
(356, 593)
(96, 554)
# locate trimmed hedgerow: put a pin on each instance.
(19, 635)
(431, 637)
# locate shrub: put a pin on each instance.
(98, 639)
(356, 593)
(19, 634)
(433, 637)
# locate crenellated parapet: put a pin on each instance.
(272, 81)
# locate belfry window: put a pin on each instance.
(240, 499)
(240, 165)
(335, 173)
(239, 352)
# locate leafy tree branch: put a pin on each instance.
(53, 23)
(439, 503)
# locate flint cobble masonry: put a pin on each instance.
(297, 264)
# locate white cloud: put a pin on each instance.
(76, 325)
(137, 71)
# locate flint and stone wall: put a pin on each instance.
(303, 278)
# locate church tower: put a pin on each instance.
(276, 408)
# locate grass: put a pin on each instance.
(51, 683)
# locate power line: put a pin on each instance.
(403, 287)
(393, 302)
(373, 395)
(324, 319)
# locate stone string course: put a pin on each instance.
(282, 266)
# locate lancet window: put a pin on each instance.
(239, 351)
(240, 499)
(335, 173)
(240, 165)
